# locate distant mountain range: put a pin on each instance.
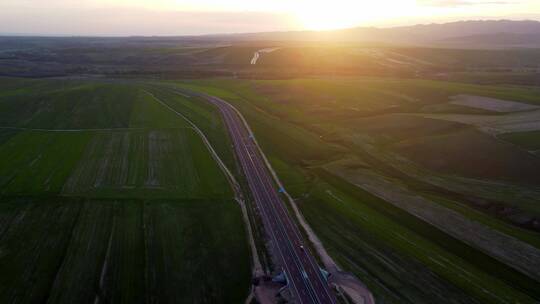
(461, 34)
(477, 33)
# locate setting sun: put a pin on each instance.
(322, 18)
(319, 15)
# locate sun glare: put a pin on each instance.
(312, 14)
(323, 19)
(326, 15)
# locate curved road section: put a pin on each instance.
(306, 282)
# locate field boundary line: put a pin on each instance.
(257, 267)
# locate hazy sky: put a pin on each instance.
(187, 17)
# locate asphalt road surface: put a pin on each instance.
(305, 279)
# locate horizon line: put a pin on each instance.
(36, 35)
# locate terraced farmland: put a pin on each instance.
(109, 197)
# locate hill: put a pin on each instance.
(422, 34)
(496, 40)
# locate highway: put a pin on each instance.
(306, 282)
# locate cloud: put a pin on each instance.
(455, 3)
